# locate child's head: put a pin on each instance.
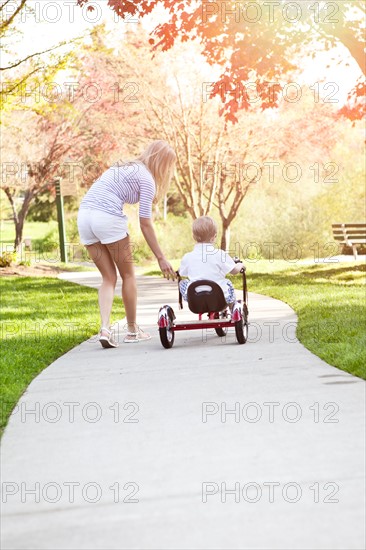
(204, 229)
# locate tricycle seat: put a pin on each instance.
(205, 296)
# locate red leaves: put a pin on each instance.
(355, 109)
(357, 112)
(167, 33)
(262, 47)
(122, 7)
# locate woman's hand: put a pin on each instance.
(147, 229)
(167, 269)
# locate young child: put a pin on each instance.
(207, 262)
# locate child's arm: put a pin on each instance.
(238, 267)
(230, 265)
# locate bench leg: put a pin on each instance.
(354, 248)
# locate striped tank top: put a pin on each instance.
(121, 184)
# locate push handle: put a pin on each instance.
(180, 297)
(242, 271)
(238, 261)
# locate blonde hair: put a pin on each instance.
(204, 229)
(159, 158)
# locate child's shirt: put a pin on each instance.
(207, 262)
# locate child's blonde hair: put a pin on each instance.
(204, 229)
(160, 158)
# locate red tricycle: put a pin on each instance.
(203, 297)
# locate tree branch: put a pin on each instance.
(5, 24)
(6, 92)
(11, 200)
(30, 56)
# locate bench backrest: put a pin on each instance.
(349, 231)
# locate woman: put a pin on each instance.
(103, 229)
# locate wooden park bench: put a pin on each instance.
(350, 234)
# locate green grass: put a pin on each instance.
(75, 267)
(35, 230)
(329, 300)
(34, 330)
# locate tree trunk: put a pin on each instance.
(347, 37)
(19, 217)
(225, 237)
(14, 213)
(19, 226)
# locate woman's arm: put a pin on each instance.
(148, 232)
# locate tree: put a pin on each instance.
(201, 140)
(217, 166)
(71, 132)
(47, 137)
(41, 158)
(14, 73)
(255, 42)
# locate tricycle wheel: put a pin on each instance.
(221, 331)
(166, 337)
(241, 330)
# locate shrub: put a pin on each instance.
(25, 263)
(48, 243)
(72, 232)
(175, 236)
(43, 208)
(7, 258)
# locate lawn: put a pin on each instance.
(35, 230)
(45, 249)
(329, 299)
(41, 319)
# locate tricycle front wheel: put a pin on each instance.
(166, 337)
(241, 330)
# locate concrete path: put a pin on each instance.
(209, 445)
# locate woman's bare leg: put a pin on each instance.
(121, 253)
(100, 255)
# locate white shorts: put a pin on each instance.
(97, 226)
